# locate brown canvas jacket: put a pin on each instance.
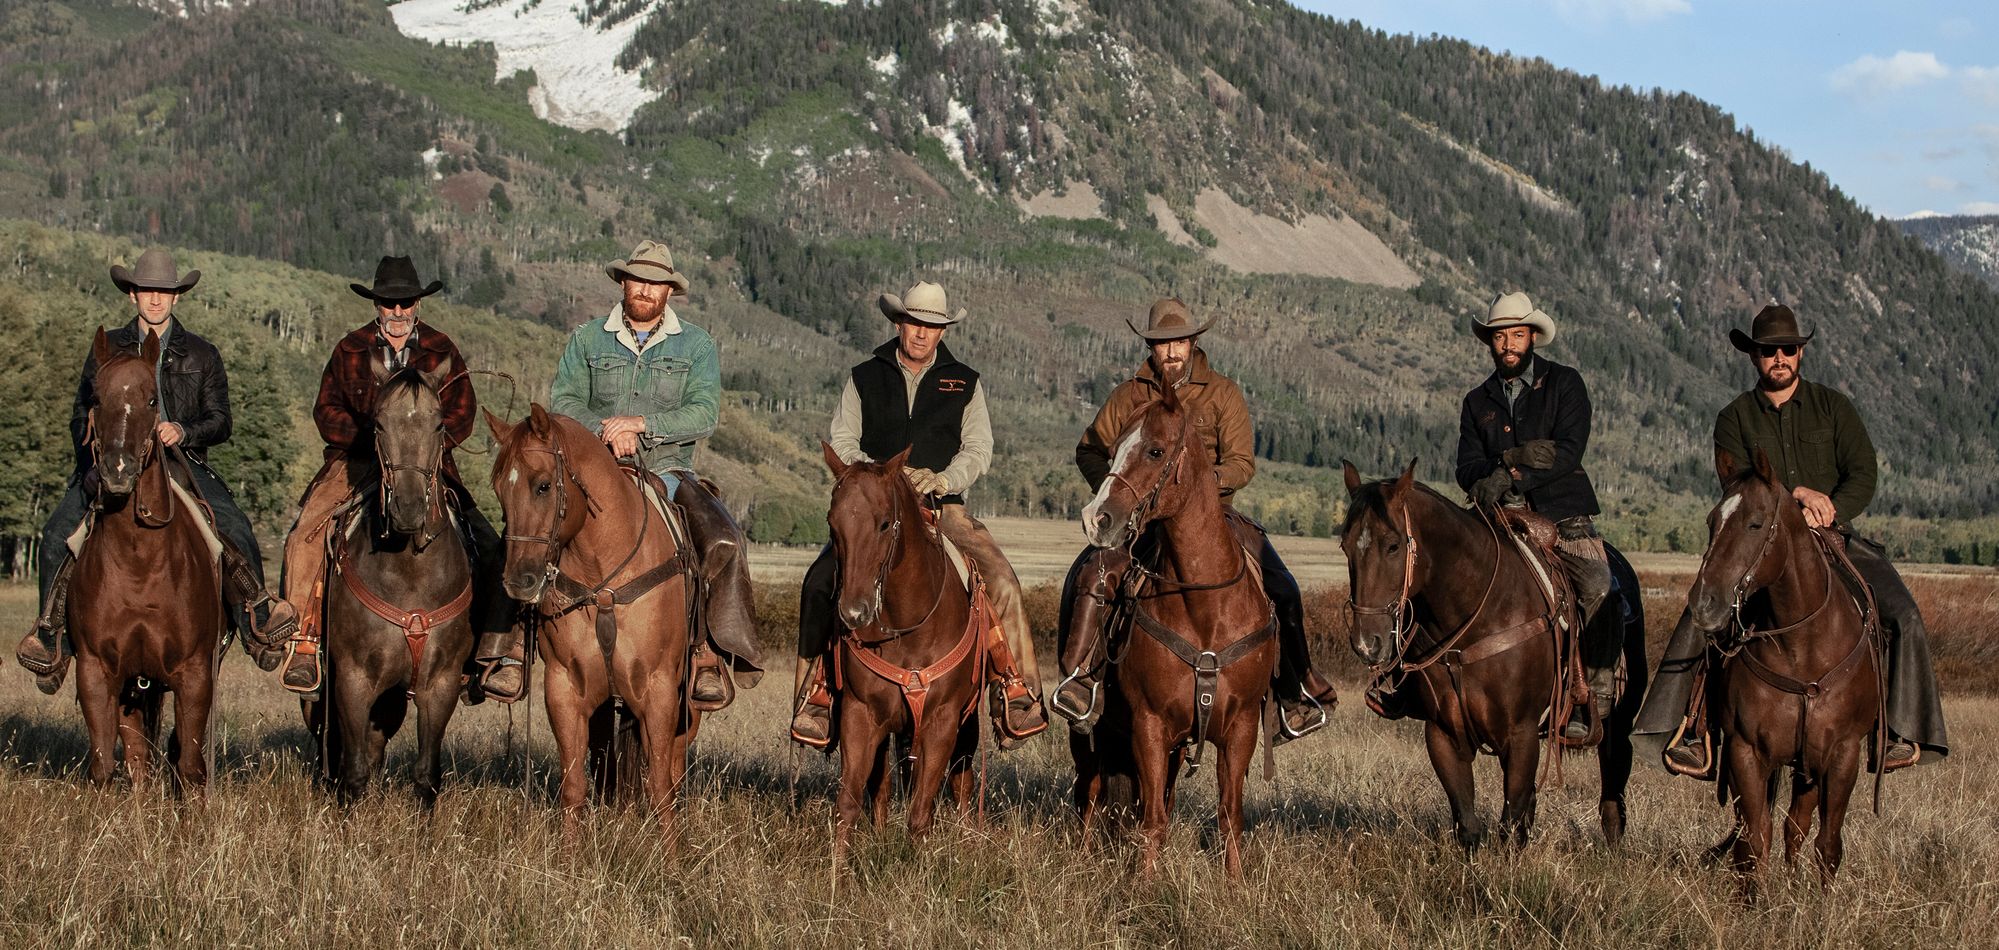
(1221, 420)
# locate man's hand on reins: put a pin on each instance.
(1488, 491)
(621, 433)
(1819, 512)
(927, 482)
(169, 434)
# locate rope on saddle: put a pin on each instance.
(1207, 666)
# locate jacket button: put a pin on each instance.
(1506, 428)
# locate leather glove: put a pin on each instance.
(1538, 453)
(925, 481)
(1488, 491)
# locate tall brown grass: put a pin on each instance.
(1348, 848)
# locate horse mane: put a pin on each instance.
(1374, 496)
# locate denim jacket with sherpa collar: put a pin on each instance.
(674, 380)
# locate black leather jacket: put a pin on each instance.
(1556, 408)
(194, 391)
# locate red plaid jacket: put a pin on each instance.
(347, 392)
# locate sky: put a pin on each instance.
(1897, 102)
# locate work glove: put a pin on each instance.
(1538, 453)
(1490, 490)
(926, 482)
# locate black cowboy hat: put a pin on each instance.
(395, 279)
(1775, 325)
(154, 270)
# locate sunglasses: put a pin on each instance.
(1767, 350)
(396, 305)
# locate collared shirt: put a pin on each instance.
(1816, 439)
(975, 429)
(1519, 385)
(673, 381)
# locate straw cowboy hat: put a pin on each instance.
(650, 261)
(1775, 325)
(1514, 310)
(924, 303)
(154, 270)
(395, 279)
(1169, 320)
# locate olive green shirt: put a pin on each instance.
(1815, 439)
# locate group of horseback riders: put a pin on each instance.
(648, 383)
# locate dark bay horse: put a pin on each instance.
(1799, 684)
(613, 589)
(1443, 600)
(912, 658)
(1201, 670)
(146, 615)
(398, 599)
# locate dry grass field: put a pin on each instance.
(1346, 849)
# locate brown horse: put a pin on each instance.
(611, 584)
(1201, 671)
(912, 659)
(398, 599)
(1418, 564)
(1799, 684)
(146, 614)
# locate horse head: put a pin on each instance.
(1150, 477)
(1755, 514)
(409, 444)
(1380, 545)
(873, 504)
(543, 504)
(127, 411)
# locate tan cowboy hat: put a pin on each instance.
(1775, 325)
(924, 303)
(396, 279)
(649, 261)
(1169, 320)
(154, 270)
(1515, 310)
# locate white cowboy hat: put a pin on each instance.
(924, 303)
(1515, 310)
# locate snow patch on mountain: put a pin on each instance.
(574, 62)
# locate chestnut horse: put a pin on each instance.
(145, 613)
(1443, 601)
(1201, 671)
(912, 658)
(1799, 684)
(398, 600)
(589, 550)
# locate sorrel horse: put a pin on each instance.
(1444, 602)
(1201, 672)
(1799, 682)
(612, 586)
(911, 661)
(146, 613)
(398, 599)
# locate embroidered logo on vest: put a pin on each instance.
(950, 385)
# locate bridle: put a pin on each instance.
(552, 542)
(1740, 630)
(1400, 611)
(1148, 501)
(429, 473)
(892, 554)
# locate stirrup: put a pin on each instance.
(487, 668)
(298, 647)
(1004, 731)
(1080, 720)
(1284, 731)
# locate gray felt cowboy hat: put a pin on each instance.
(1514, 310)
(1776, 325)
(650, 261)
(154, 270)
(1169, 320)
(924, 303)
(396, 279)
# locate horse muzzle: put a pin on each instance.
(525, 586)
(1708, 608)
(1103, 528)
(1373, 647)
(859, 612)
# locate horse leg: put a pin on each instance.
(570, 722)
(139, 733)
(1148, 746)
(933, 756)
(194, 697)
(1805, 793)
(1518, 762)
(1089, 788)
(862, 763)
(1231, 768)
(435, 703)
(1613, 760)
(1452, 761)
(1838, 781)
(603, 726)
(881, 783)
(963, 789)
(659, 727)
(1754, 783)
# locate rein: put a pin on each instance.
(1400, 609)
(432, 496)
(883, 569)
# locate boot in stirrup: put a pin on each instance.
(43, 651)
(812, 719)
(711, 689)
(302, 671)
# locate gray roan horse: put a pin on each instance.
(398, 599)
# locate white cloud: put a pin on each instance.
(1635, 11)
(1980, 207)
(1871, 74)
(1944, 183)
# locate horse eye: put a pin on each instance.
(882, 527)
(1756, 526)
(150, 403)
(541, 489)
(1393, 545)
(1155, 452)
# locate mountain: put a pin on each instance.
(1341, 198)
(1968, 242)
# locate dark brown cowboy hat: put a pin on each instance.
(1776, 325)
(395, 279)
(154, 270)
(1169, 319)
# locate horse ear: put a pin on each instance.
(901, 459)
(1407, 478)
(378, 364)
(1763, 470)
(501, 430)
(1353, 477)
(833, 463)
(149, 349)
(100, 348)
(1170, 396)
(1724, 465)
(538, 421)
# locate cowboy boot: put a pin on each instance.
(1307, 712)
(267, 621)
(1900, 754)
(1079, 696)
(42, 652)
(1603, 694)
(302, 673)
(727, 615)
(1689, 757)
(501, 659)
(711, 689)
(812, 719)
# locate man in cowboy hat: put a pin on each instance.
(1221, 420)
(650, 384)
(194, 416)
(1818, 445)
(397, 339)
(913, 394)
(1521, 438)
